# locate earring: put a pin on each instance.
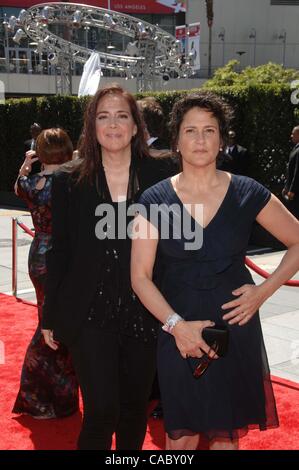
(177, 150)
(221, 149)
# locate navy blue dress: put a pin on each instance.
(49, 386)
(235, 393)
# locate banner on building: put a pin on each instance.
(181, 35)
(123, 6)
(193, 45)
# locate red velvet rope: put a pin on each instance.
(26, 229)
(249, 263)
(265, 274)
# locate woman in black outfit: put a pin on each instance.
(206, 282)
(89, 304)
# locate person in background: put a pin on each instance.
(291, 188)
(76, 152)
(30, 144)
(206, 283)
(153, 116)
(235, 158)
(89, 303)
(35, 130)
(48, 387)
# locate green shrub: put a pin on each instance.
(261, 98)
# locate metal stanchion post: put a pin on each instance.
(14, 255)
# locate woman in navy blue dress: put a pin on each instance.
(48, 386)
(206, 282)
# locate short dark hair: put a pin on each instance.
(153, 116)
(208, 101)
(53, 146)
(36, 125)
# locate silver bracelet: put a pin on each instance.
(171, 321)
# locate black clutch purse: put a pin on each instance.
(217, 338)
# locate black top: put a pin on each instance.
(78, 263)
(115, 307)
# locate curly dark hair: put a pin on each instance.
(90, 149)
(208, 101)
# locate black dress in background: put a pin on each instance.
(48, 385)
(235, 393)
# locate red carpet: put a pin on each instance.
(17, 323)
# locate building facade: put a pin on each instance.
(254, 32)
(251, 31)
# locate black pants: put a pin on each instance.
(115, 374)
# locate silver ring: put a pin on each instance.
(27, 168)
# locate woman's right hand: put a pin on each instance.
(188, 338)
(49, 340)
(30, 158)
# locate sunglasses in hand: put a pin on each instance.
(199, 365)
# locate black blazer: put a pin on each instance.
(73, 260)
(292, 182)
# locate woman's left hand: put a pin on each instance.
(49, 340)
(250, 298)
